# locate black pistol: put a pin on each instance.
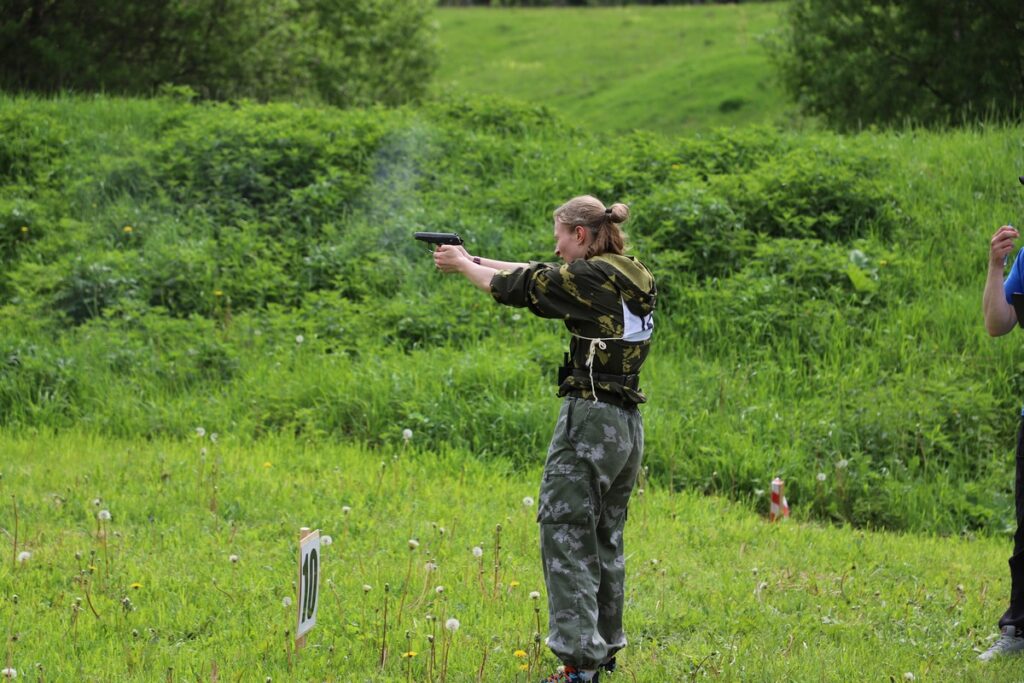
(438, 238)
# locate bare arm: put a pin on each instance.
(451, 259)
(1000, 317)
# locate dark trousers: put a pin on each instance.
(1015, 613)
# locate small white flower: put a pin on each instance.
(326, 540)
(233, 559)
(909, 676)
(213, 437)
(821, 476)
(528, 502)
(103, 515)
(286, 601)
(758, 492)
(452, 624)
(200, 432)
(367, 588)
(478, 551)
(345, 509)
(842, 464)
(96, 502)
(9, 672)
(413, 544)
(516, 317)
(430, 566)
(439, 590)
(299, 339)
(202, 451)
(535, 595)
(440, 530)
(24, 556)
(406, 433)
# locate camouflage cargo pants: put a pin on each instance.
(592, 464)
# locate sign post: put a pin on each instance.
(309, 583)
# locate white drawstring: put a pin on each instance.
(595, 344)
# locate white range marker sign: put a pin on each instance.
(309, 582)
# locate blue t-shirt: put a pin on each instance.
(1015, 280)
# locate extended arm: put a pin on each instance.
(1000, 317)
(452, 259)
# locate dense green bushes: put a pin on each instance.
(344, 52)
(251, 268)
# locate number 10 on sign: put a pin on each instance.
(309, 582)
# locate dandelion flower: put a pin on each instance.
(513, 584)
(367, 588)
(24, 556)
(326, 540)
(519, 653)
(96, 502)
(410, 653)
(218, 293)
(524, 667)
(528, 502)
(516, 317)
(439, 590)
(200, 432)
(103, 515)
(136, 585)
(758, 492)
(345, 509)
(430, 566)
(478, 551)
(535, 595)
(127, 229)
(267, 464)
(908, 676)
(842, 464)
(233, 559)
(299, 339)
(413, 544)
(24, 229)
(821, 476)
(213, 437)
(286, 601)
(452, 624)
(406, 434)
(9, 672)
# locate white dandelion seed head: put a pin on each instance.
(96, 502)
(299, 339)
(439, 590)
(24, 556)
(326, 540)
(413, 544)
(9, 672)
(821, 476)
(909, 676)
(406, 433)
(842, 464)
(345, 509)
(200, 432)
(213, 437)
(452, 624)
(758, 492)
(233, 559)
(202, 451)
(535, 595)
(528, 501)
(430, 566)
(286, 601)
(103, 515)
(367, 588)
(440, 530)
(516, 317)
(478, 551)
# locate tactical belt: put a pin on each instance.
(628, 381)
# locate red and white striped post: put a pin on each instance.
(779, 507)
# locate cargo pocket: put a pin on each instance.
(566, 495)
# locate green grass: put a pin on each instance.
(671, 69)
(714, 591)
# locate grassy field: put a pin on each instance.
(192, 573)
(672, 69)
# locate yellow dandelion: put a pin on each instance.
(24, 229)
(519, 653)
(513, 584)
(127, 229)
(267, 464)
(410, 653)
(524, 667)
(218, 292)
(136, 585)
(92, 567)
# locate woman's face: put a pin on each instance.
(570, 242)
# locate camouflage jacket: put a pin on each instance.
(609, 297)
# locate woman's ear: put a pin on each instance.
(581, 234)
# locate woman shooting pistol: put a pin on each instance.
(606, 300)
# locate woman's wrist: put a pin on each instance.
(476, 260)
